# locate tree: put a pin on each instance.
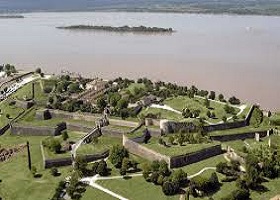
(65, 135)
(122, 171)
(51, 100)
(80, 163)
(179, 176)
(208, 114)
(212, 95)
(224, 118)
(117, 155)
(94, 167)
(186, 113)
(180, 139)
(102, 168)
(163, 168)
(54, 171)
(122, 104)
(74, 88)
(160, 179)
(154, 177)
(207, 102)
(171, 140)
(221, 97)
(38, 70)
(125, 164)
(101, 103)
(170, 188)
(55, 145)
(234, 101)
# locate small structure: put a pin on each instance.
(257, 137)
(150, 99)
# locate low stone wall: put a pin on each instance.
(24, 104)
(182, 160)
(84, 116)
(142, 151)
(238, 136)
(19, 129)
(78, 127)
(59, 162)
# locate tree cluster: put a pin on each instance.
(204, 185)
(158, 173)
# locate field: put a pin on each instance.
(181, 102)
(17, 181)
(239, 130)
(26, 92)
(12, 110)
(164, 114)
(176, 149)
(136, 188)
(104, 143)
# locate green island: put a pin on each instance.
(121, 29)
(70, 137)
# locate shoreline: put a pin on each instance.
(144, 11)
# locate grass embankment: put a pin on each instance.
(25, 92)
(175, 150)
(74, 136)
(239, 130)
(12, 110)
(163, 114)
(17, 181)
(104, 143)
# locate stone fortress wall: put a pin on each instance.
(173, 161)
(20, 129)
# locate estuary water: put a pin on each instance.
(234, 55)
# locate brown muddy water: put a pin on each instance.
(234, 55)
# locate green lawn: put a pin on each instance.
(73, 136)
(136, 188)
(181, 102)
(12, 110)
(92, 193)
(17, 181)
(238, 130)
(210, 162)
(26, 92)
(104, 143)
(176, 150)
(164, 114)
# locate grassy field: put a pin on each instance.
(210, 162)
(164, 114)
(136, 188)
(181, 102)
(239, 130)
(92, 193)
(12, 110)
(104, 143)
(26, 92)
(17, 182)
(73, 136)
(176, 149)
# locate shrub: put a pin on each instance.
(102, 168)
(65, 135)
(170, 188)
(234, 101)
(47, 90)
(54, 171)
(117, 155)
